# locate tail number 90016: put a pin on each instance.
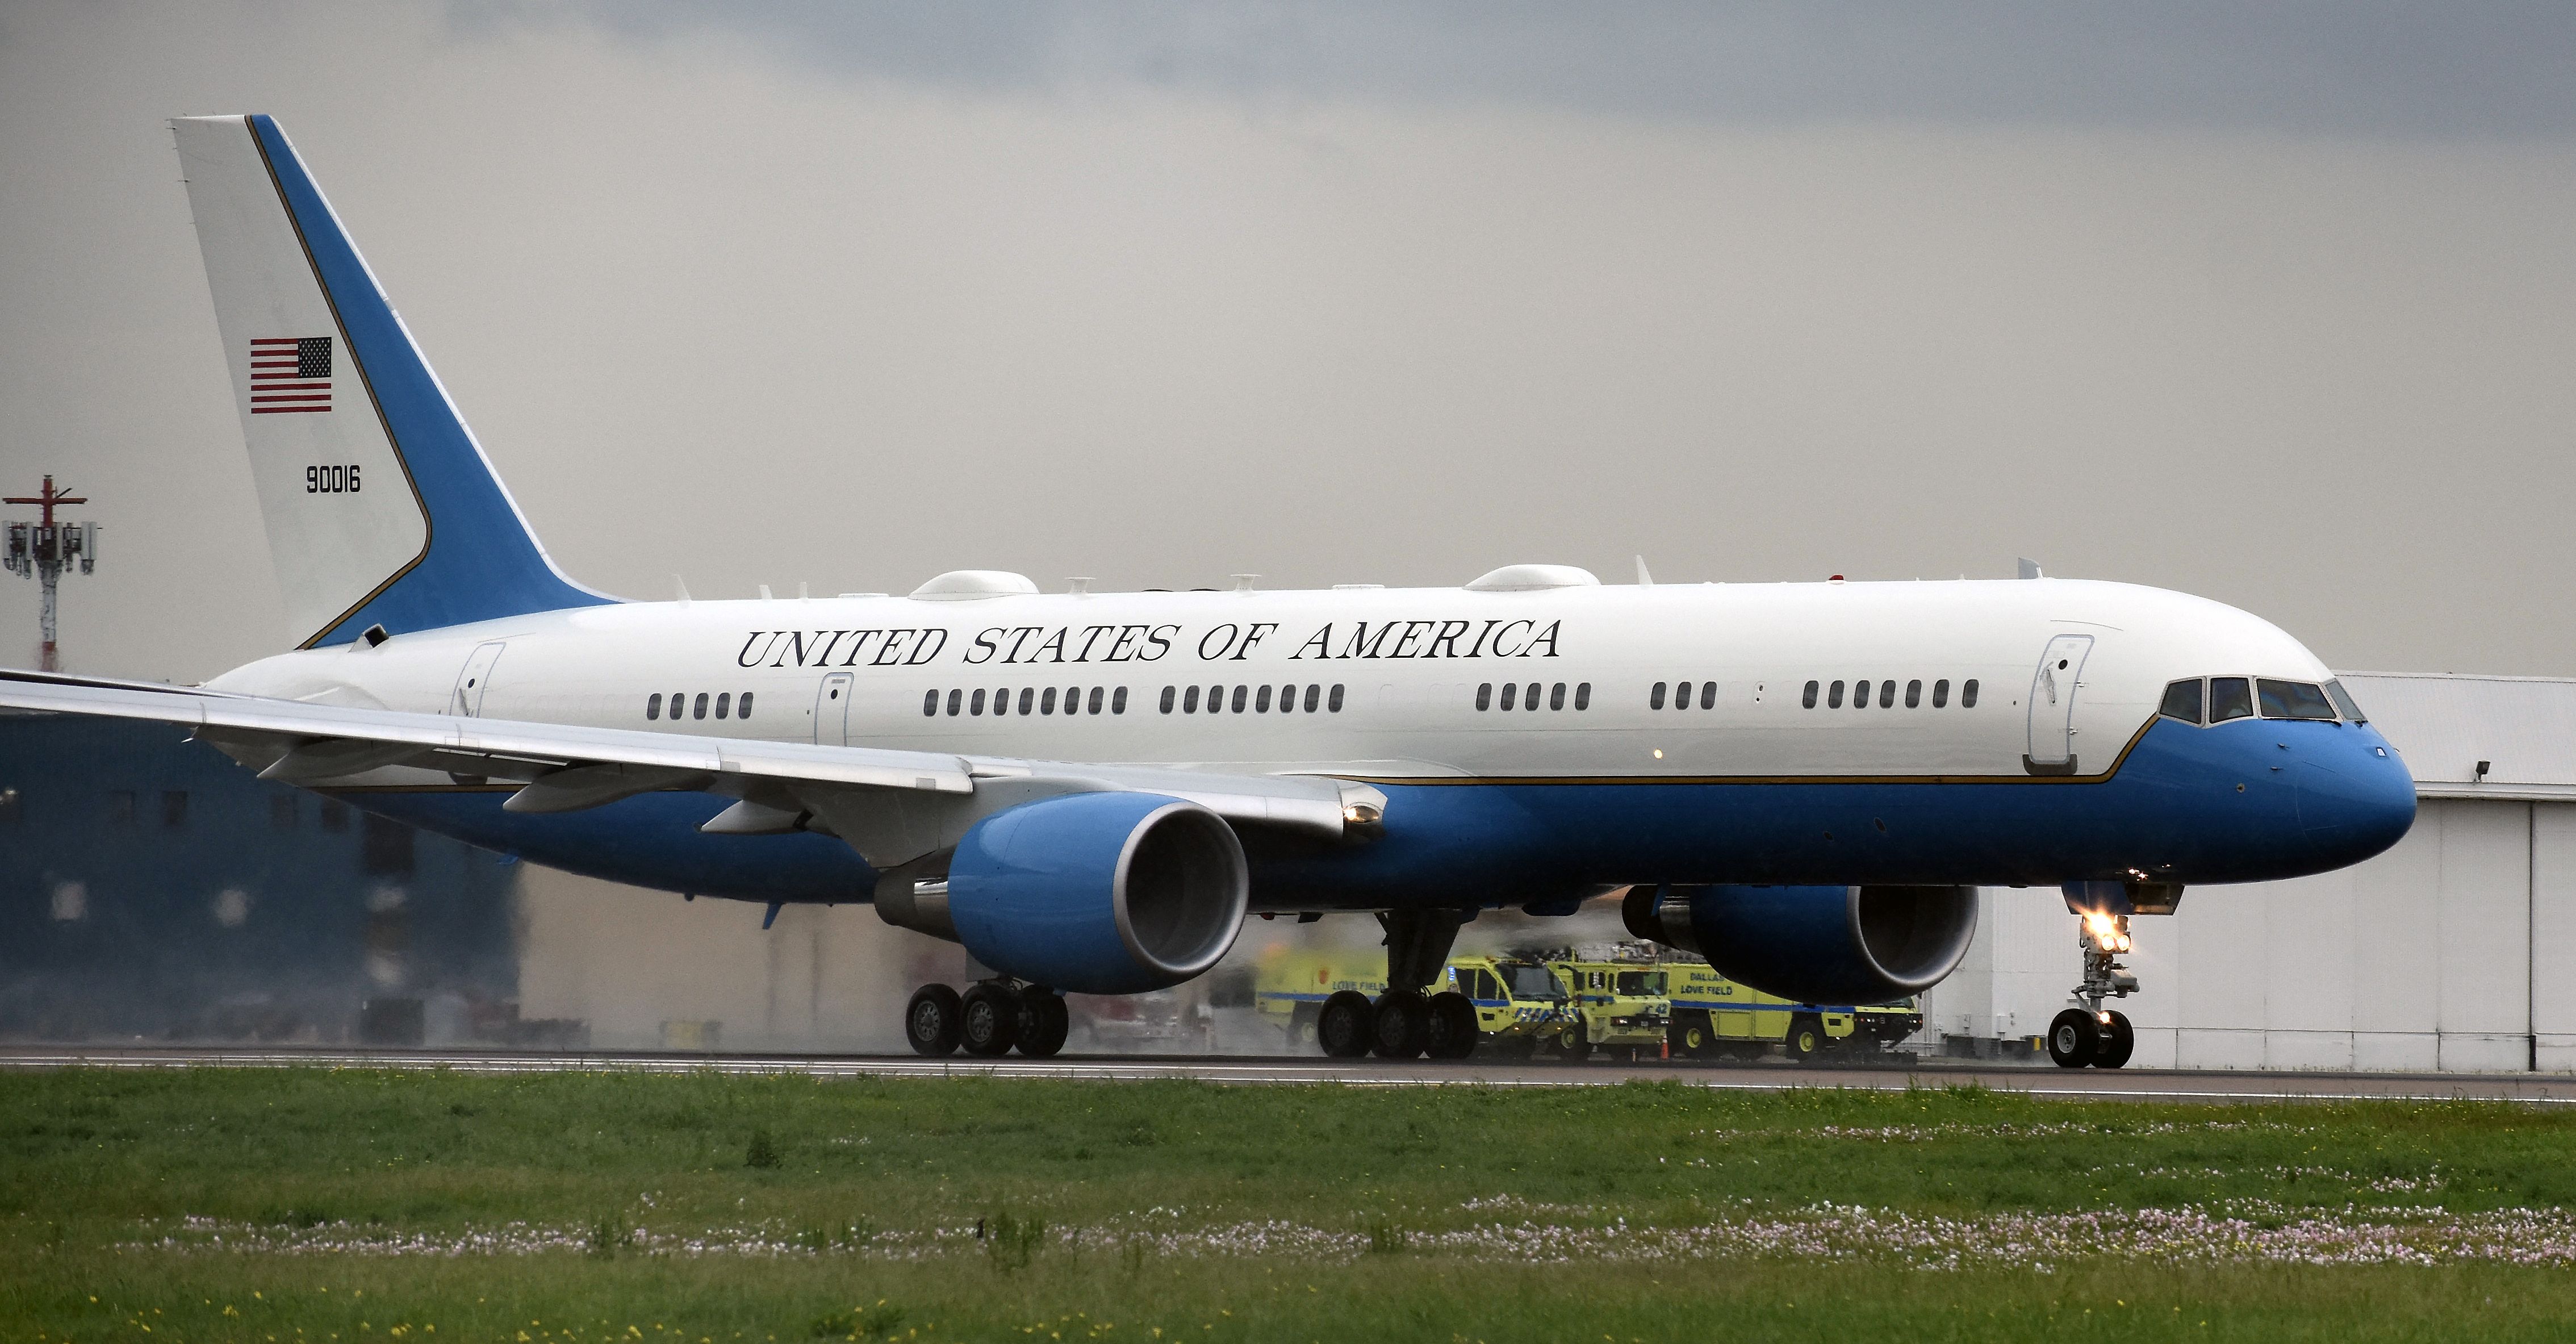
(331, 480)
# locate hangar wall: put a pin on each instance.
(2454, 951)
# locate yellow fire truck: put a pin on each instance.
(1714, 1016)
(1518, 1003)
(1618, 1007)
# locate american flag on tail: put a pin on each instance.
(290, 374)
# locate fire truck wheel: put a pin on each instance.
(989, 1020)
(1043, 1023)
(1573, 1042)
(2074, 1040)
(1301, 1026)
(1691, 1036)
(1806, 1037)
(1345, 1024)
(2118, 1042)
(930, 1020)
(1452, 1026)
(1403, 1025)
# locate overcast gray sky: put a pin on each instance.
(2275, 304)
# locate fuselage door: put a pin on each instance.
(474, 681)
(2052, 705)
(832, 711)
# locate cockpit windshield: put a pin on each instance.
(2343, 700)
(2293, 700)
(1532, 982)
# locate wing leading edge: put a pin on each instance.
(893, 807)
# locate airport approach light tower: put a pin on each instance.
(42, 550)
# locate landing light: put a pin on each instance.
(1360, 814)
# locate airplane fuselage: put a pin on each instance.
(1534, 746)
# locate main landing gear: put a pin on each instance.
(2093, 1035)
(1407, 1021)
(991, 1018)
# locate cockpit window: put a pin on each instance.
(2293, 700)
(2182, 701)
(2230, 698)
(2343, 700)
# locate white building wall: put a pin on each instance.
(2454, 951)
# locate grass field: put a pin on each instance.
(317, 1206)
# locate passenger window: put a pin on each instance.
(956, 700)
(2230, 698)
(1261, 702)
(698, 709)
(724, 703)
(2343, 700)
(1170, 693)
(1654, 698)
(1118, 701)
(1968, 693)
(975, 704)
(1681, 695)
(1512, 694)
(1046, 701)
(929, 703)
(1190, 700)
(653, 707)
(1095, 700)
(1288, 699)
(1941, 693)
(1887, 694)
(1336, 705)
(1313, 691)
(1708, 695)
(1485, 696)
(1809, 699)
(1834, 696)
(1583, 696)
(743, 710)
(2182, 701)
(1529, 696)
(2287, 700)
(1914, 694)
(1216, 699)
(1861, 692)
(1556, 696)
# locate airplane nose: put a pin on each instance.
(2355, 795)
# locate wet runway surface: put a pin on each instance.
(2169, 1085)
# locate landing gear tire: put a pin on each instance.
(989, 1020)
(1043, 1023)
(2074, 1039)
(1573, 1042)
(1346, 1024)
(1402, 1029)
(1807, 1038)
(2118, 1042)
(1452, 1026)
(930, 1020)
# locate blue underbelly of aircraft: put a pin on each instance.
(2242, 802)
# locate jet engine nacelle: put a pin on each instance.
(1815, 944)
(1098, 893)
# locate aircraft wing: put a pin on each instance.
(892, 806)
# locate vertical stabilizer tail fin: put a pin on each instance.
(381, 508)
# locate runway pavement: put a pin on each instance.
(2168, 1085)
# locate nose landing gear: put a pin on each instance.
(2092, 1035)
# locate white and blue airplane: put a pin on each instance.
(1090, 791)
